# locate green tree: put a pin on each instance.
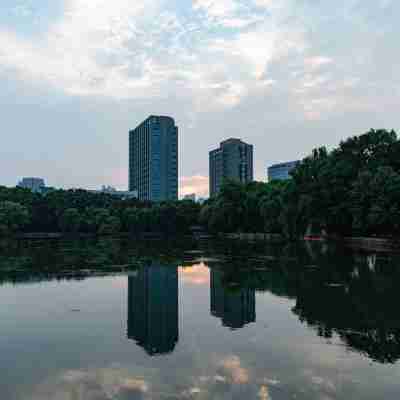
(130, 220)
(110, 225)
(13, 217)
(70, 220)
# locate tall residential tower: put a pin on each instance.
(232, 160)
(153, 159)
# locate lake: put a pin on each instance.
(119, 319)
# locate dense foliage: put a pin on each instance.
(75, 211)
(352, 190)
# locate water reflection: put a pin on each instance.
(153, 308)
(351, 296)
(360, 306)
(335, 292)
(235, 305)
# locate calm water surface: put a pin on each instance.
(197, 322)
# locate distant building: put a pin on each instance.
(281, 172)
(153, 308)
(191, 197)
(36, 185)
(153, 159)
(122, 194)
(232, 160)
(235, 308)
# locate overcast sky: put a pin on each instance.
(284, 75)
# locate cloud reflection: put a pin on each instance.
(197, 274)
(232, 368)
(97, 384)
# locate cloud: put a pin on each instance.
(134, 50)
(231, 366)
(197, 184)
(217, 8)
(317, 61)
(263, 394)
(95, 384)
(226, 13)
(22, 10)
(196, 275)
(86, 52)
(88, 71)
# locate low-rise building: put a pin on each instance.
(36, 185)
(122, 194)
(281, 171)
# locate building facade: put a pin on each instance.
(235, 308)
(153, 308)
(233, 160)
(36, 185)
(281, 172)
(153, 159)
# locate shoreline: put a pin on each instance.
(368, 243)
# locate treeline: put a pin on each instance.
(352, 190)
(73, 211)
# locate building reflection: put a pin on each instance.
(153, 308)
(236, 307)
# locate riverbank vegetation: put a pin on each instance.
(351, 190)
(80, 211)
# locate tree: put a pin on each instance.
(70, 220)
(130, 220)
(110, 225)
(376, 202)
(13, 217)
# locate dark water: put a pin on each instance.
(190, 321)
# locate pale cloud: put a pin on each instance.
(122, 49)
(225, 13)
(197, 184)
(70, 55)
(232, 367)
(23, 10)
(92, 384)
(264, 3)
(217, 8)
(196, 275)
(318, 61)
(263, 393)
(314, 71)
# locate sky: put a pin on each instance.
(284, 75)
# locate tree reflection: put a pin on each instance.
(337, 292)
